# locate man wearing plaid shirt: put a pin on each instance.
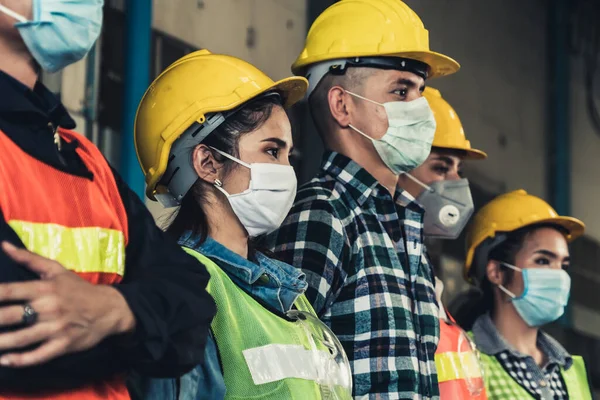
(356, 236)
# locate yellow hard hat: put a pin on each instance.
(198, 84)
(449, 133)
(352, 29)
(512, 211)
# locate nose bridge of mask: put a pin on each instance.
(409, 113)
(263, 176)
(12, 14)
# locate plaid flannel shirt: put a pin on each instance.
(369, 279)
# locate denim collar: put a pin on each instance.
(272, 281)
(489, 341)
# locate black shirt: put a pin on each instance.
(164, 287)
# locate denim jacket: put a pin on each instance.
(270, 281)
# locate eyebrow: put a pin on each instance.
(446, 159)
(279, 142)
(407, 82)
(550, 254)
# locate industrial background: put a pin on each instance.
(528, 94)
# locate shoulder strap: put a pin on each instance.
(576, 380)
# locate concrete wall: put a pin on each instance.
(500, 90)
(585, 148)
(267, 33)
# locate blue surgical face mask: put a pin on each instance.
(407, 142)
(61, 32)
(545, 294)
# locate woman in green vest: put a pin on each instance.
(518, 256)
(213, 139)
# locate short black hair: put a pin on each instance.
(353, 79)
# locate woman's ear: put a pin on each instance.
(493, 272)
(205, 165)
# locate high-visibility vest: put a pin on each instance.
(458, 368)
(501, 386)
(77, 221)
(263, 355)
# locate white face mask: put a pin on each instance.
(264, 205)
(407, 142)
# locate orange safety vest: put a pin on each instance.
(77, 221)
(458, 368)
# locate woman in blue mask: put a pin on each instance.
(518, 256)
(213, 138)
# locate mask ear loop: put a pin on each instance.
(418, 182)
(501, 287)
(365, 99)
(232, 158)
(218, 184)
(12, 14)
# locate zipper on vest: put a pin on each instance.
(57, 139)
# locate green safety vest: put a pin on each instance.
(500, 385)
(262, 354)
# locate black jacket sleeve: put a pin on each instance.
(165, 289)
(64, 372)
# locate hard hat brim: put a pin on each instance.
(470, 154)
(574, 226)
(474, 154)
(439, 64)
(292, 88)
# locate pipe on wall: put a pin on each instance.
(138, 35)
(559, 142)
(559, 157)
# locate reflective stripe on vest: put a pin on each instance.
(77, 221)
(89, 250)
(271, 363)
(263, 355)
(458, 368)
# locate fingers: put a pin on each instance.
(33, 334)
(38, 264)
(24, 291)
(11, 315)
(47, 309)
(44, 353)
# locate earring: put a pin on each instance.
(218, 183)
